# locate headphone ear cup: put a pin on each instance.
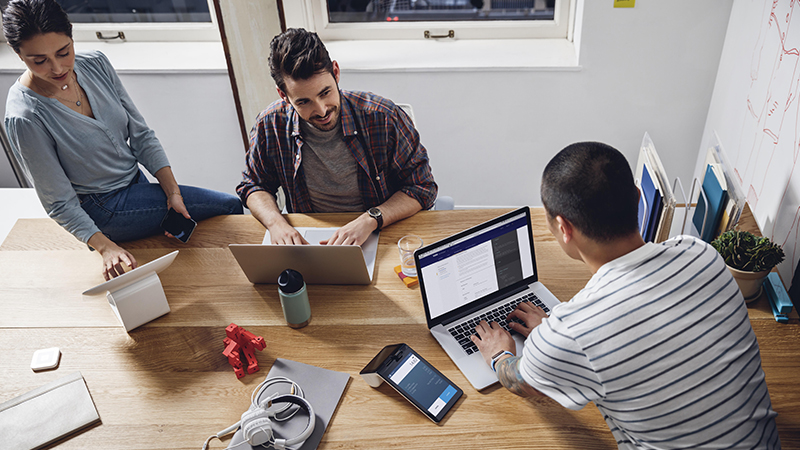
(258, 431)
(250, 415)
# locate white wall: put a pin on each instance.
(191, 111)
(754, 111)
(490, 133)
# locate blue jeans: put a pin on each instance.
(135, 212)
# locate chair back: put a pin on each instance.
(16, 166)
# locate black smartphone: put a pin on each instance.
(175, 224)
(416, 380)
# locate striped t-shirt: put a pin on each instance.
(660, 341)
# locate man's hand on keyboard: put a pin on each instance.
(492, 339)
(530, 315)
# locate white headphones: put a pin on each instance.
(256, 422)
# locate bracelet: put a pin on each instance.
(497, 356)
(178, 193)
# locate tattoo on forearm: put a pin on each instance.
(510, 377)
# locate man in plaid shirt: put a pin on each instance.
(331, 150)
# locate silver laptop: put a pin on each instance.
(481, 273)
(319, 264)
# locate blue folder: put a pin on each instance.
(653, 202)
(712, 211)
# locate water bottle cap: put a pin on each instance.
(290, 281)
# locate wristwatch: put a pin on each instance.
(499, 355)
(376, 214)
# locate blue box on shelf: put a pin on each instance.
(777, 294)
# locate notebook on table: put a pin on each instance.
(482, 273)
(323, 388)
(319, 264)
(47, 414)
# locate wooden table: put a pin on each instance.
(167, 384)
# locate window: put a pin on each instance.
(433, 19)
(347, 11)
(142, 20)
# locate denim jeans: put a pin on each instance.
(136, 211)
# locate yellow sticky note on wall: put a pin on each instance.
(624, 3)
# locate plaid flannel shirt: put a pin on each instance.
(379, 134)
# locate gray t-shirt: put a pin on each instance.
(330, 170)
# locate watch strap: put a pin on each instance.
(497, 356)
(378, 217)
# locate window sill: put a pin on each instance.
(454, 55)
(144, 57)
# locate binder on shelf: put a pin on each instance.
(737, 197)
(642, 217)
(653, 199)
(658, 206)
(709, 208)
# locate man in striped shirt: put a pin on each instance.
(659, 339)
(331, 150)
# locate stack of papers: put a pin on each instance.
(721, 198)
(657, 201)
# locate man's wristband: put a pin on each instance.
(497, 356)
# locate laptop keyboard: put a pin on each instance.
(465, 329)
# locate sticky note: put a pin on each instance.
(624, 3)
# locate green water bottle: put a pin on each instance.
(294, 298)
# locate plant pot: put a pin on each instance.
(750, 283)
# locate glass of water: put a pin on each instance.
(407, 245)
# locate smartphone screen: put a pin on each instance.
(177, 225)
(420, 383)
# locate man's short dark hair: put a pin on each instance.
(298, 54)
(591, 185)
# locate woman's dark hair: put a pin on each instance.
(24, 19)
(591, 185)
(298, 54)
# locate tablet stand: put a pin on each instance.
(139, 302)
(137, 296)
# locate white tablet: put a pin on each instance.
(134, 275)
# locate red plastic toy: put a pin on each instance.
(241, 345)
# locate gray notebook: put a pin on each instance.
(323, 388)
(46, 414)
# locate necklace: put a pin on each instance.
(79, 100)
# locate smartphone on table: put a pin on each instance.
(175, 224)
(415, 379)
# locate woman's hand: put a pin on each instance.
(173, 192)
(114, 256)
(175, 201)
(113, 259)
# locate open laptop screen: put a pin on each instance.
(476, 263)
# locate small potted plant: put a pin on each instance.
(749, 259)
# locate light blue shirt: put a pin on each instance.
(67, 153)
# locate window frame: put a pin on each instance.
(150, 31)
(312, 15)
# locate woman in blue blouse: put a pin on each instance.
(76, 131)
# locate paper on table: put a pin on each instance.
(46, 414)
(315, 234)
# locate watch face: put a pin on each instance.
(374, 212)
